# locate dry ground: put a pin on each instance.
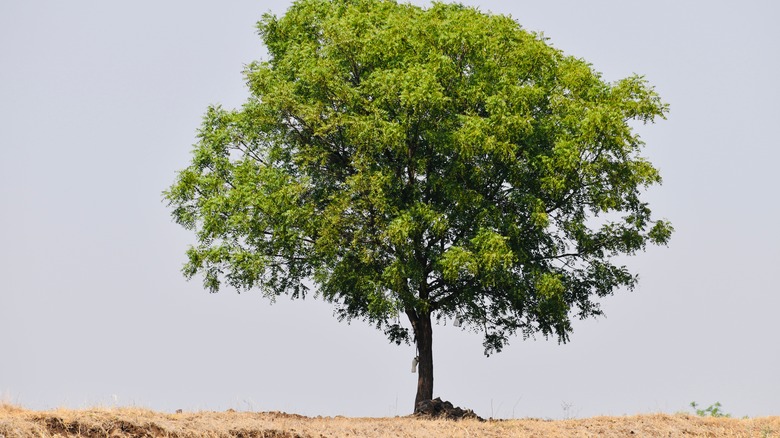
(132, 422)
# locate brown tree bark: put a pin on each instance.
(423, 333)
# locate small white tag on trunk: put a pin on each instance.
(414, 364)
(456, 322)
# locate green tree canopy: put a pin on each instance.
(434, 163)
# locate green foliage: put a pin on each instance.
(438, 162)
(712, 410)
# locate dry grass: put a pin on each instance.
(131, 422)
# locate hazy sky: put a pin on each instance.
(99, 104)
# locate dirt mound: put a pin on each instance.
(439, 409)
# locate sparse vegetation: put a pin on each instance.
(714, 410)
(16, 422)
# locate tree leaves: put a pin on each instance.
(418, 161)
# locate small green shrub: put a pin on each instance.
(713, 410)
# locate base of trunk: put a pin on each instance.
(437, 408)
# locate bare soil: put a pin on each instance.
(133, 422)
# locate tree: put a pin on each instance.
(436, 163)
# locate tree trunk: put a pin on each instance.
(423, 333)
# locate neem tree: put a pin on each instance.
(436, 163)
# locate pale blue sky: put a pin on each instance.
(99, 103)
